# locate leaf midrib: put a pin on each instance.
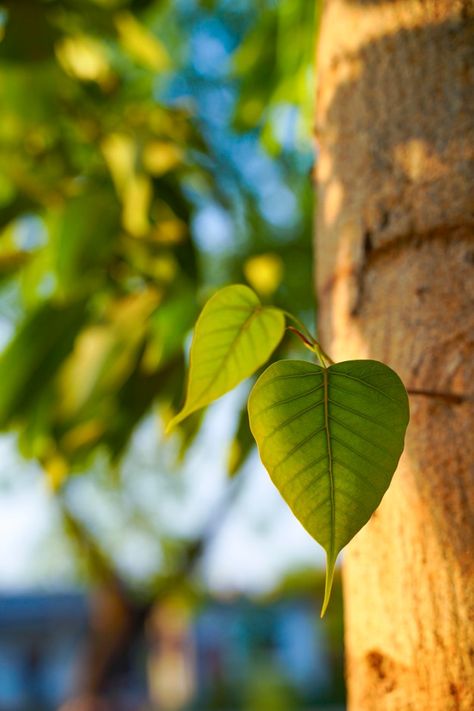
(330, 465)
(258, 309)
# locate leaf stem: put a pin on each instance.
(300, 335)
(301, 328)
(322, 355)
(308, 340)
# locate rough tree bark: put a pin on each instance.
(395, 256)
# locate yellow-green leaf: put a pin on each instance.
(330, 438)
(234, 336)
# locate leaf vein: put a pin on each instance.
(354, 451)
(357, 474)
(287, 377)
(360, 503)
(305, 488)
(231, 348)
(291, 419)
(302, 470)
(331, 473)
(357, 412)
(288, 400)
(298, 446)
(364, 382)
(357, 434)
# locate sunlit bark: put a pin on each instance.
(395, 259)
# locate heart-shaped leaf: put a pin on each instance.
(234, 336)
(330, 439)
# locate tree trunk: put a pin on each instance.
(395, 256)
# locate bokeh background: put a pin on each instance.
(150, 152)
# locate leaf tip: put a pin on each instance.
(330, 566)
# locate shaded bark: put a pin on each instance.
(395, 256)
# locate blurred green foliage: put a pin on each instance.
(106, 166)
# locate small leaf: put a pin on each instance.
(330, 439)
(234, 335)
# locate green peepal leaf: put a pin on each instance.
(330, 438)
(234, 336)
